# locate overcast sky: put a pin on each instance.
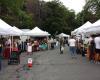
(76, 5)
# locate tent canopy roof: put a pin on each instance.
(86, 25)
(37, 32)
(96, 23)
(95, 27)
(62, 35)
(6, 29)
(17, 29)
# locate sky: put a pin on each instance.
(76, 5)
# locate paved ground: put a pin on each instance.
(50, 65)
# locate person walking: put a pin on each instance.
(61, 45)
(82, 48)
(97, 46)
(72, 46)
(91, 48)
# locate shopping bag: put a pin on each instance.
(62, 48)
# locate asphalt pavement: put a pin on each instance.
(51, 65)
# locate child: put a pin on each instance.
(29, 48)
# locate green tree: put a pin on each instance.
(57, 18)
(50, 16)
(13, 12)
(90, 12)
(85, 16)
(94, 7)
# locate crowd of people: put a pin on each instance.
(36, 45)
(89, 47)
(10, 45)
(94, 48)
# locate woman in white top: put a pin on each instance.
(72, 45)
(97, 47)
(29, 48)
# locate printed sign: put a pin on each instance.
(30, 60)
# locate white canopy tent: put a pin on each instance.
(6, 29)
(81, 29)
(37, 32)
(74, 32)
(14, 31)
(95, 28)
(17, 30)
(62, 35)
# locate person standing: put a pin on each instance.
(61, 45)
(72, 46)
(57, 43)
(97, 47)
(91, 48)
(82, 48)
(29, 48)
(0, 54)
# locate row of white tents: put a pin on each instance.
(6, 29)
(87, 29)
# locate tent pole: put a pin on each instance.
(10, 44)
(22, 43)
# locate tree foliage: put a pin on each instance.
(12, 12)
(57, 18)
(90, 12)
(51, 16)
(94, 7)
